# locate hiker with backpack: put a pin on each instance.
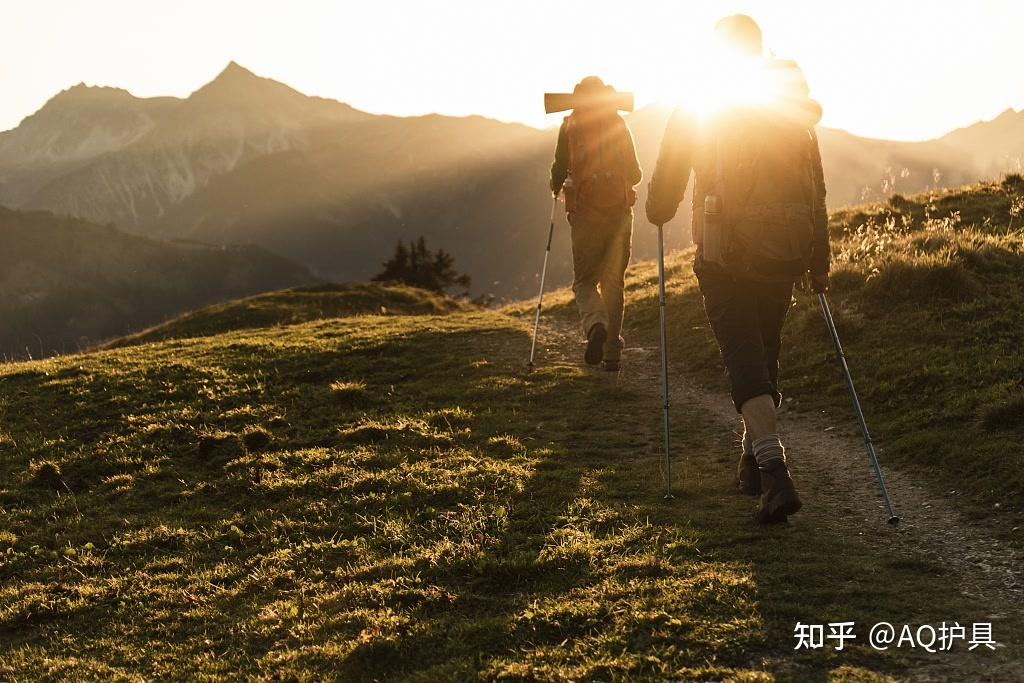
(760, 225)
(597, 168)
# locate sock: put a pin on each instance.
(769, 450)
(748, 443)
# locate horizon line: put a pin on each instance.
(650, 105)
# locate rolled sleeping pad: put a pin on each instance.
(561, 101)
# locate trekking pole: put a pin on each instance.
(664, 357)
(543, 273)
(893, 518)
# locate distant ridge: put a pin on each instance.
(247, 159)
(66, 284)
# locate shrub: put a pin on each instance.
(1006, 415)
(46, 474)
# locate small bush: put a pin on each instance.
(1006, 415)
(450, 419)
(220, 447)
(46, 474)
(349, 393)
(926, 277)
(898, 201)
(505, 445)
(256, 438)
(1012, 181)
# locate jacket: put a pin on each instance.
(689, 145)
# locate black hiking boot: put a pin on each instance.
(611, 365)
(779, 498)
(596, 338)
(748, 477)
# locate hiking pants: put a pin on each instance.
(746, 317)
(600, 254)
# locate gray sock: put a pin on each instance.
(748, 443)
(769, 450)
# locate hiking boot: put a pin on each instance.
(748, 477)
(779, 498)
(596, 338)
(611, 365)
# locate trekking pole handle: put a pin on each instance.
(551, 221)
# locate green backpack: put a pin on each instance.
(765, 186)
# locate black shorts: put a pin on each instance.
(746, 317)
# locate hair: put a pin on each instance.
(741, 31)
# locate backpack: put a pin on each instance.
(598, 185)
(765, 170)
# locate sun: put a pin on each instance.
(727, 79)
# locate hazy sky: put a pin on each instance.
(884, 68)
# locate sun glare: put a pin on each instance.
(728, 79)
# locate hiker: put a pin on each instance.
(596, 165)
(760, 225)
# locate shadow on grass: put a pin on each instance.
(393, 500)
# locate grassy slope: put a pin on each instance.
(932, 303)
(392, 497)
(928, 296)
(298, 305)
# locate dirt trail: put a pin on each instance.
(837, 481)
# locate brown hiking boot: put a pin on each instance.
(779, 498)
(748, 477)
(596, 338)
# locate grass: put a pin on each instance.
(928, 297)
(298, 305)
(393, 498)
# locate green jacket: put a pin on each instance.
(560, 167)
(689, 145)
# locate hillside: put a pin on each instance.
(393, 497)
(928, 296)
(342, 499)
(993, 146)
(474, 186)
(293, 306)
(66, 284)
(248, 160)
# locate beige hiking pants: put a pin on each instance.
(600, 254)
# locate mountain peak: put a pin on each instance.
(233, 71)
(82, 94)
(235, 83)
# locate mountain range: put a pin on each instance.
(248, 160)
(66, 284)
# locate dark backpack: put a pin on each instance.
(598, 185)
(770, 209)
(765, 174)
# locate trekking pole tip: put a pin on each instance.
(894, 520)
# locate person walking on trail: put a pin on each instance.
(760, 225)
(596, 165)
